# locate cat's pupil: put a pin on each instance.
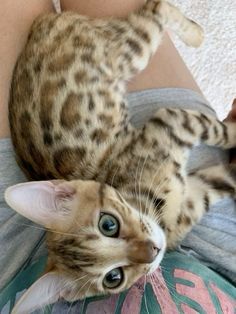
(108, 225)
(113, 279)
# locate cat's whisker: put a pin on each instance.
(152, 182)
(159, 168)
(158, 189)
(113, 177)
(126, 204)
(66, 285)
(78, 279)
(158, 216)
(144, 292)
(135, 186)
(77, 294)
(117, 201)
(154, 284)
(147, 155)
(71, 284)
(138, 193)
(168, 285)
(82, 308)
(172, 294)
(71, 304)
(156, 212)
(140, 178)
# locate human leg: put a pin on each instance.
(15, 20)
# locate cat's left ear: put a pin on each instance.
(48, 203)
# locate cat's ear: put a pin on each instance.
(46, 290)
(48, 203)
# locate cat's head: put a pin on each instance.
(97, 242)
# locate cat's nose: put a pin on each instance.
(153, 250)
(143, 252)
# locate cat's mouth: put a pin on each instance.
(159, 238)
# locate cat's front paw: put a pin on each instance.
(196, 37)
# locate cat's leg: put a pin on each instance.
(203, 189)
(185, 128)
(132, 41)
(215, 182)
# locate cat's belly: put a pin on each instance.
(60, 129)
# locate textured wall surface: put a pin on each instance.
(214, 63)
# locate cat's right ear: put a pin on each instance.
(48, 203)
(46, 290)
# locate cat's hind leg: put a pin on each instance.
(135, 39)
(203, 189)
(215, 182)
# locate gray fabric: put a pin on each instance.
(213, 241)
(18, 236)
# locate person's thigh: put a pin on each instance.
(15, 20)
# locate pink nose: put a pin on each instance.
(153, 250)
(143, 252)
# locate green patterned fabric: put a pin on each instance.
(181, 285)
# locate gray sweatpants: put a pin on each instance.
(212, 241)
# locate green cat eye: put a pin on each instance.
(113, 278)
(108, 225)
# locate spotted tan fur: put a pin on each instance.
(69, 121)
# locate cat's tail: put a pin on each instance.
(171, 17)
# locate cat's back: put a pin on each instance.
(64, 104)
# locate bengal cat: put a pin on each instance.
(113, 197)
